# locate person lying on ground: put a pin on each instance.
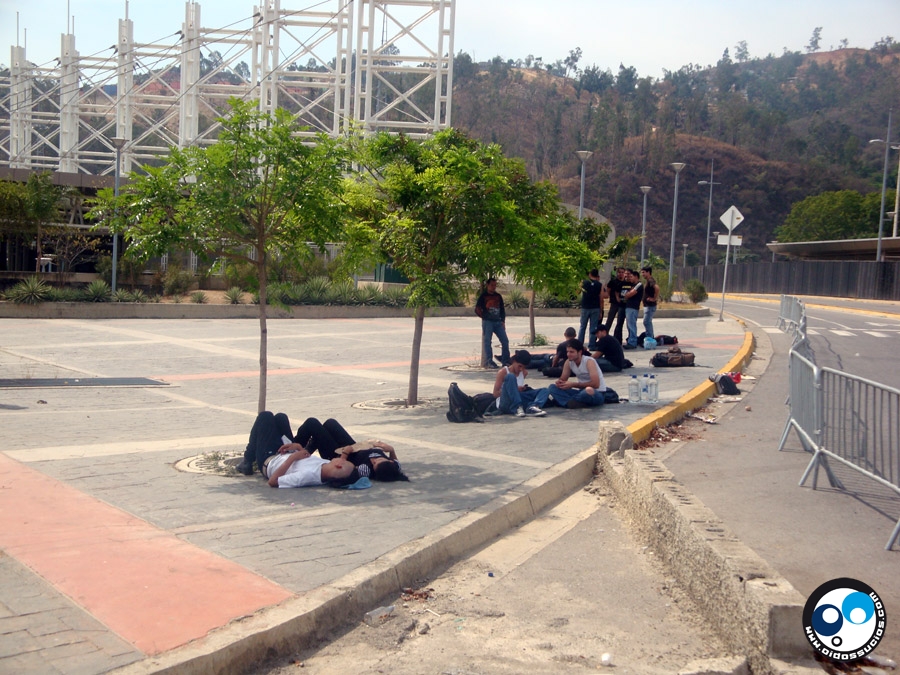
(513, 396)
(587, 389)
(372, 459)
(287, 464)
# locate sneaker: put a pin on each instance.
(245, 468)
(520, 412)
(534, 411)
(575, 405)
(490, 366)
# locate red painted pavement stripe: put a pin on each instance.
(148, 586)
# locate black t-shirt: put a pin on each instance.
(615, 291)
(362, 460)
(611, 350)
(634, 302)
(561, 354)
(590, 294)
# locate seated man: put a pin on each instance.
(286, 464)
(513, 396)
(609, 355)
(589, 386)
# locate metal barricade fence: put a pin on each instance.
(847, 418)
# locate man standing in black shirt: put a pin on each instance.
(616, 303)
(492, 311)
(591, 306)
(632, 296)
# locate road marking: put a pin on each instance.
(810, 331)
(773, 331)
(843, 333)
(875, 333)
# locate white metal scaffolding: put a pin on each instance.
(388, 64)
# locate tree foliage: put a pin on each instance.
(845, 214)
(258, 194)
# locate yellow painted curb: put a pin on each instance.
(696, 397)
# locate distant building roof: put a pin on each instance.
(841, 249)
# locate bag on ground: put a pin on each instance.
(462, 406)
(666, 340)
(610, 395)
(672, 358)
(724, 384)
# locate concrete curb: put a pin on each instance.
(301, 621)
(755, 610)
(696, 397)
(189, 310)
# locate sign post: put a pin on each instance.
(730, 219)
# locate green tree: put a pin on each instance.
(258, 194)
(441, 210)
(845, 214)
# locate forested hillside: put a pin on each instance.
(779, 129)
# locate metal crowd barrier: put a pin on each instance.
(839, 416)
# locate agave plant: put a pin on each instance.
(316, 290)
(395, 296)
(342, 293)
(199, 298)
(121, 295)
(235, 295)
(97, 291)
(368, 295)
(64, 294)
(516, 299)
(137, 295)
(29, 291)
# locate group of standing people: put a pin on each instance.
(627, 290)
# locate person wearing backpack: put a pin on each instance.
(513, 396)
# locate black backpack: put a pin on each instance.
(462, 406)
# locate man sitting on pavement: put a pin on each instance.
(559, 359)
(609, 355)
(589, 387)
(514, 397)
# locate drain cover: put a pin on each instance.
(215, 463)
(399, 404)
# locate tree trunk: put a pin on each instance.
(412, 396)
(263, 333)
(531, 316)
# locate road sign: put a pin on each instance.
(731, 218)
(735, 239)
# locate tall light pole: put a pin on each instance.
(684, 258)
(710, 182)
(118, 143)
(897, 193)
(645, 189)
(583, 155)
(887, 149)
(678, 166)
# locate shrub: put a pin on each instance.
(137, 295)
(96, 291)
(316, 290)
(342, 293)
(177, 281)
(199, 298)
(64, 294)
(516, 299)
(395, 296)
(29, 291)
(695, 290)
(369, 295)
(121, 295)
(234, 295)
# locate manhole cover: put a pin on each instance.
(216, 463)
(467, 368)
(400, 404)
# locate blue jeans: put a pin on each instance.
(649, 311)
(563, 396)
(631, 322)
(488, 330)
(511, 398)
(592, 316)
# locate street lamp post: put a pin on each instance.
(897, 193)
(710, 182)
(684, 258)
(678, 166)
(118, 143)
(583, 155)
(645, 189)
(887, 149)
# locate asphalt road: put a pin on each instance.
(860, 343)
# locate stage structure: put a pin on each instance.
(387, 64)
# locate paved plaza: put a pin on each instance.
(106, 537)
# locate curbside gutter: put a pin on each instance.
(300, 622)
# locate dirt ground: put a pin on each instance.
(568, 592)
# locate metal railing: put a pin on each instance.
(843, 417)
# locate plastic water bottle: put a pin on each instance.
(653, 390)
(634, 390)
(645, 387)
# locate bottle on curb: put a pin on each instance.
(653, 390)
(645, 387)
(634, 390)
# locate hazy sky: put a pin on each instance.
(650, 35)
